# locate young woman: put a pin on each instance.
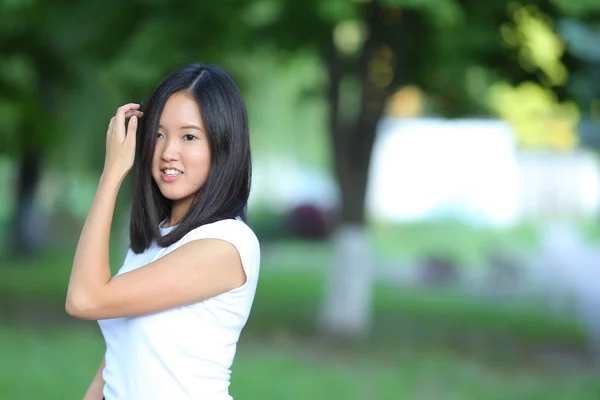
(172, 315)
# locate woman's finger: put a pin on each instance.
(131, 130)
(111, 124)
(120, 115)
(130, 113)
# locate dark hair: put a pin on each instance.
(225, 192)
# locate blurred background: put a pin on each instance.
(426, 188)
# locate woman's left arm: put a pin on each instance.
(91, 267)
(196, 271)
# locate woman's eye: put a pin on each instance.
(189, 137)
(159, 135)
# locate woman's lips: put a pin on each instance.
(169, 178)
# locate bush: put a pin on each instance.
(309, 221)
(268, 224)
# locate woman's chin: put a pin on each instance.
(174, 196)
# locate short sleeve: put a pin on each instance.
(239, 235)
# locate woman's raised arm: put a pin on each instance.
(90, 265)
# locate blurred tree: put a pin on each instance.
(534, 109)
(61, 79)
(555, 107)
(579, 27)
(34, 67)
(451, 49)
(369, 49)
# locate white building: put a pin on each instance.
(470, 169)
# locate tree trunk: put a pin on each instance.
(346, 311)
(347, 308)
(27, 229)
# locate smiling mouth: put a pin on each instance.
(170, 175)
(171, 172)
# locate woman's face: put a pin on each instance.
(181, 161)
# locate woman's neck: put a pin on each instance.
(178, 210)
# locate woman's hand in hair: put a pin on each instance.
(120, 141)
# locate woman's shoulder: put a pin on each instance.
(231, 227)
(236, 232)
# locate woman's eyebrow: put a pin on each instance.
(191, 127)
(185, 127)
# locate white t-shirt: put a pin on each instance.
(185, 352)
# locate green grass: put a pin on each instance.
(317, 372)
(47, 363)
(467, 245)
(288, 301)
(53, 363)
(434, 344)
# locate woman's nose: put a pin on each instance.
(170, 152)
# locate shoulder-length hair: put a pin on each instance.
(225, 193)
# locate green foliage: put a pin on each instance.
(268, 225)
(578, 8)
(443, 13)
(61, 80)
